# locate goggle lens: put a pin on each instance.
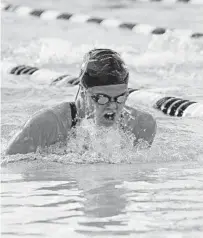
(121, 99)
(102, 100)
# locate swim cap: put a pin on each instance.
(103, 67)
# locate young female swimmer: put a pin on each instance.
(102, 95)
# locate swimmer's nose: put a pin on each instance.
(112, 105)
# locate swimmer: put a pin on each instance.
(102, 94)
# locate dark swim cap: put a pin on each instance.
(103, 67)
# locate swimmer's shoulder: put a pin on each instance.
(142, 124)
(141, 117)
(58, 114)
(44, 128)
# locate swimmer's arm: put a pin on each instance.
(41, 130)
(147, 129)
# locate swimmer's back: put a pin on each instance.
(45, 128)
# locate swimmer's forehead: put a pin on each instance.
(111, 90)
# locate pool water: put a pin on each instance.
(122, 192)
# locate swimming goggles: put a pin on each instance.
(103, 99)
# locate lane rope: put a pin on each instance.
(198, 2)
(44, 76)
(172, 106)
(109, 23)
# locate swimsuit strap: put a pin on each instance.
(121, 122)
(73, 113)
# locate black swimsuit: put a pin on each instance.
(73, 114)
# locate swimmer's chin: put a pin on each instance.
(103, 122)
(107, 123)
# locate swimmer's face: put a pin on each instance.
(105, 103)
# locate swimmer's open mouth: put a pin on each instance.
(110, 116)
